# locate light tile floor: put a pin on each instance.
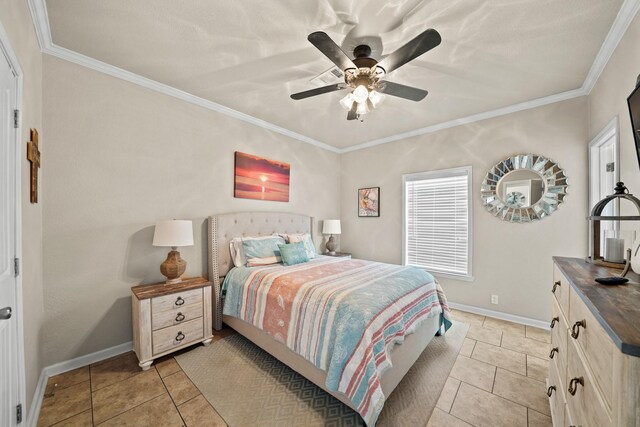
(497, 380)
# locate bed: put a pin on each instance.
(395, 363)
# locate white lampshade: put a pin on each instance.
(173, 232)
(331, 226)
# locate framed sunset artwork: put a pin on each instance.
(260, 178)
(369, 201)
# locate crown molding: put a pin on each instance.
(627, 12)
(527, 105)
(625, 16)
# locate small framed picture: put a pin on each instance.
(369, 201)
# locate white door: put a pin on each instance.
(9, 363)
(603, 172)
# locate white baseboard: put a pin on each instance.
(66, 366)
(542, 324)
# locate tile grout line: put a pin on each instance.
(169, 393)
(132, 408)
(454, 396)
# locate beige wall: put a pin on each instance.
(121, 157)
(16, 19)
(609, 98)
(512, 261)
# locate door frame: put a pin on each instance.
(611, 129)
(9, 53)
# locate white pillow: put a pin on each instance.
(237, 252)
(308, 243)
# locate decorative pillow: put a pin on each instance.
(262, 248)
(308, 243)
(293, 253)
(237, 251)
(256, 262)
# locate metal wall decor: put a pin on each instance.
(524, 188)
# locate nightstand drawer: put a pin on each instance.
(176, 300)
(176, 316)
(178, 335)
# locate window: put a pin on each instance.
(437, 222)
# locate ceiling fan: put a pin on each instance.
(363, 75)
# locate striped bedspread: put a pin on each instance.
(342, 315)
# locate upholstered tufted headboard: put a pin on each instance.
(222, 228)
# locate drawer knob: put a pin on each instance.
(179, 317)
(555, 285)
(554, 321)
(573, 385)
(575, 329)
(550, 390)
(180, 336)
(179, 301)
(554, 350)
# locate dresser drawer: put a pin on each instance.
(559, 334)
(176, 300)
(178, 335)
(586, 406)
(176, 316)
(594, 343)
(560, 289)
(557, 399)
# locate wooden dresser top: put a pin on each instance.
(617, 307)
(160, 289)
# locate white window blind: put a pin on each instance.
(437, 208)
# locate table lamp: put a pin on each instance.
(173, 233)
(331, 226)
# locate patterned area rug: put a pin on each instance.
(249, 387)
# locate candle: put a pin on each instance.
(614, 250)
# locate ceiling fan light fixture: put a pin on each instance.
(360, 94)
(362, 109)
(376, 98)
(347, 101)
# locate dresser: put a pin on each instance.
(167, 318)
(594, 374)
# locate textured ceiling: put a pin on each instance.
(250, 55)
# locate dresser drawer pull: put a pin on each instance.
(179, 301)
(550, 390)
(555, 285)
(180, 336)
(575, 329)
(180, 317)
(554, 350)
(573, 385)
(554, 321)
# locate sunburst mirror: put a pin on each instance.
(524, 188)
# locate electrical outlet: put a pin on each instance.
(494, 299)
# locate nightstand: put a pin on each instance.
(340, 255)
(167, 318)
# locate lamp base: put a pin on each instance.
(173, 267)
(331, 245)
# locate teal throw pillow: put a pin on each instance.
(293, 253)
(262, 248)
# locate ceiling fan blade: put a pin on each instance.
(402, 91)
(318, 91)
(352, 115)
(410, 51)
(331, 50)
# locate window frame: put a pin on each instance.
(442, 173)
